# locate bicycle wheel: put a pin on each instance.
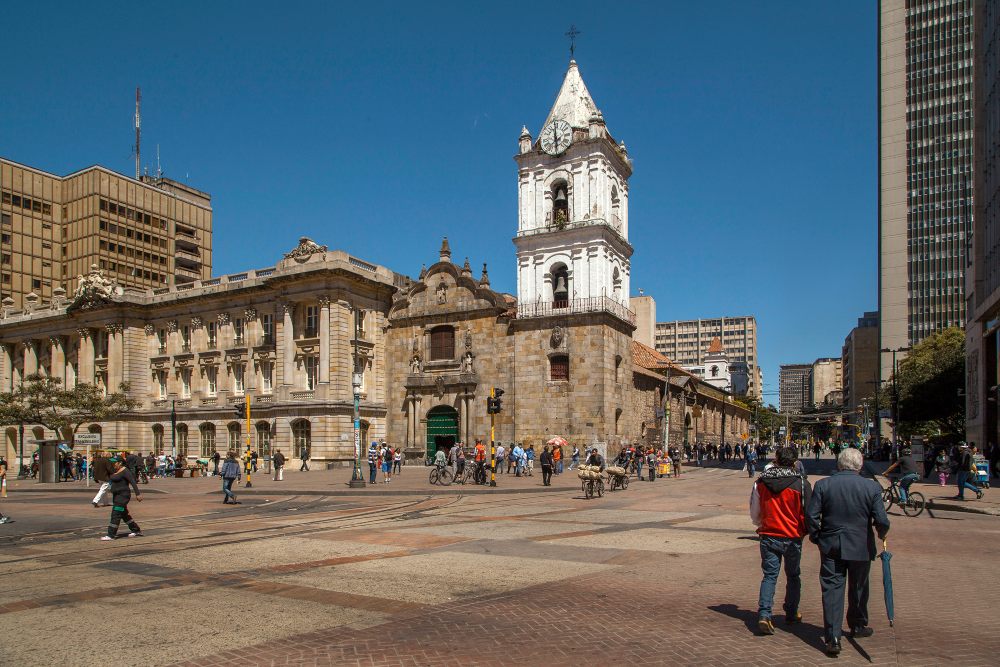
(435, 476)
(447, 476)
(887, 499)
(600, 488)
(914, 504)
(625, 482)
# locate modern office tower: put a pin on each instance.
(860, 363)
(983, 279)
(794, 387)
(925, 129)
(686, 342)
(153, 232)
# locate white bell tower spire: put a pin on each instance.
(572, 233)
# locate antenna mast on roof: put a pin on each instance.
(137, 125)
(159, 172)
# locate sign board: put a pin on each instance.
(885, 414)
(91, 439)
(917, 447)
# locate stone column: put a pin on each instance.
(287, 345)
(116, 356)
(85, 359)
(30, 358)
(7, 381)
(250, 383)
(57, 357)
(324, 340)
(409, 422)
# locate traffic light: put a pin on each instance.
(241, 410)
(493, 404)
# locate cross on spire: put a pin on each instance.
(573, 33)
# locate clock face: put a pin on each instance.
(556, 137)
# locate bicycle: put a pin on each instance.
(441, 475)
(479, 473)
(914, 504)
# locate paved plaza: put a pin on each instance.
(308, 572)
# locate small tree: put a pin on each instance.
(43, 400)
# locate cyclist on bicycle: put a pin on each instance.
(907, 472)
(440, 459)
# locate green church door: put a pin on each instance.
(442, 429)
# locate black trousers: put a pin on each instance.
(119, 512)
(546, 475)
(833, 573)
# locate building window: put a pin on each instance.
(185, 383)
(263, 438)
(212, 334)
(301, 437)
(161, 340)
(560, 203)
(560, 286)
(36, 283)
(161, 384)
(267, 329)
(266, 376)
(238, 379)
(157, 439)
(182, 440)
(238, 330)
(312, 373)
(442, 343)
(234, 436)
(207, 439)
(312, 321)
(185, 338)
(212, 377)
(5, 218)
(559, 368)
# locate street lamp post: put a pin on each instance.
(357, 479)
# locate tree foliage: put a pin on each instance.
(43, 400)
(929, 384)
(765, 419)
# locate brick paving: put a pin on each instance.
(663, 573)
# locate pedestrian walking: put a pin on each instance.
(372, 462)
(942, 464)
(253, 461)
(966, 470)
(231, 472)
(651, 464)
(216, 458)
(279, 466)
(545, 460)
(575, 458)
(102, 475)
(675, 459)
(122, 485)
(529, 455)
(3, 486)
(751, 459)
(777, 507)
(386, 457)
(498, 458)
(397, 459)
(557, 458)
(841, 514)
(304, 457)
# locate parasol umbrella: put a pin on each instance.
(887, 583)
(558, 442)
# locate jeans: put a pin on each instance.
(559, 467)
(772, 551)
(227, 488)
(963, 484)
(638, 469)
(372, 471)
(904, 484)
(546, 475)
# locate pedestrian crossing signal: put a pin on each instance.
(493, 404)
(240, 410)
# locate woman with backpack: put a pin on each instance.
(231, 471)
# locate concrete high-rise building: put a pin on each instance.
(983, 278)
(686, 342)
(644, 307)
(794, 387)
(860, 362)
(925, 131)
(147, 233)
(826, 382)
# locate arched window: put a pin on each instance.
(714, 371)
(207, 439)
(442, 343)
(234, 436)
(559, 368)
(301, 437)
(182, 440)
(157, 439)
(560, 203)
(263, 438)
(560, 286)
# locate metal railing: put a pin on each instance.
(615, 226)
(596, 304)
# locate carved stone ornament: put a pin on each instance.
(94, 290)
(222, 319)
(439, 386)
(415, 365)
(250, 314)
(172, 326)
(149, 329)
(468, 338)
(114, 327)
(196, 322)
(558, 336)
(83, 333)
(305, 249)
(467, 362)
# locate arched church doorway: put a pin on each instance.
(442, 429)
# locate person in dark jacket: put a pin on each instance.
(279, 466)
(842, 513)
(777, 507)
(230, 473)
(122, 484)
(545, 460)
(216, 460)
(102, 473)
(964, 473)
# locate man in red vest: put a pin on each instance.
(777, 508)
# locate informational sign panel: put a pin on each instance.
(91, 439)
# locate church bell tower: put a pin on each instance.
(572, 232)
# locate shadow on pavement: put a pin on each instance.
(811, 635)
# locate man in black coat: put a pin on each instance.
(842, 512)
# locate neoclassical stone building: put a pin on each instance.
(288, 337)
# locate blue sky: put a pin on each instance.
(379, 127)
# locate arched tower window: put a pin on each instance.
(560, 286)
(560, 202)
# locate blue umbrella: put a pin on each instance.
(887, 583)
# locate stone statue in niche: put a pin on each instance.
(439, 385)
(415, 364)
(467, 362)
(442, 292)
(558, 336)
